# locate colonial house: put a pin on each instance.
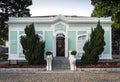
(61, 34)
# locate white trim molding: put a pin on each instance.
(54, 43)
(80, 35)
(105, 56)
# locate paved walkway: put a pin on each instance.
(61, 76)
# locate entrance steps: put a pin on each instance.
(60, 63)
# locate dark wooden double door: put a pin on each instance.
(60, 46)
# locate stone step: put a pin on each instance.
(60, 63)
(64, 63)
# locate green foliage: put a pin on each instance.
(33, 48)
(15, 8)
(106, 8)
(115, 39)
(3, 57)
(22, 63)
(74, 52)
(48, 53)
(93, 47)
(11, 8)
(3, 28)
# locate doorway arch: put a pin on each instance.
(55, 36)
(60, 44)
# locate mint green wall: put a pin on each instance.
(82, 32)
(72, 40)
(39, 32)
(60, 27)
(24, 25)
(17, 26)
(21, 32)
(107, 41)
(48, 40)
(13, 49)
(73, 25)
(79, 25)
(42, 25)
(13, 42)
(13, 35)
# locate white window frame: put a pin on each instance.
(20, 46)
(41, 36)
(78, 43)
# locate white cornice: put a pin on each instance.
(52, 20)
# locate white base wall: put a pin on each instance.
(15, 57)
(106, 56)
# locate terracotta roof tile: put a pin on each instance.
(73, 16)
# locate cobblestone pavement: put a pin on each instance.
(59, 77)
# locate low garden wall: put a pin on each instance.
(22, 69)
(99, 69)
(44, 69)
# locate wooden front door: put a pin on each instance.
(60, 45)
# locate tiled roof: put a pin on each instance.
(73, 16)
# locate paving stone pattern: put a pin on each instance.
(59, 77)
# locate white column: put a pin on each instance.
(72, 60)
(66, 46)
(54, 45)
(110, 57)
(49, 63)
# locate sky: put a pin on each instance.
(63, 7)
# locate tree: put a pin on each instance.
(93, 47)
(11, 8)
(109, 8)
(116, 41)
(33, 48)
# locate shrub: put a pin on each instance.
(48, 53)
(74, 52)
(33, 48)
(94, 46)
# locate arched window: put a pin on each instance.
(81, 42)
